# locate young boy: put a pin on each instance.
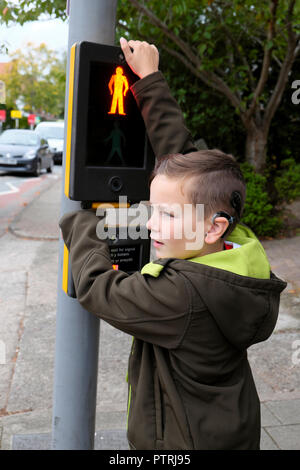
(195, 310)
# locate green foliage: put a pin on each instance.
(36, 80)
(207, 116)
(259, 213)
(227, 38)
(223, 45)
(25, 11)
(287, 182)
(284, 136)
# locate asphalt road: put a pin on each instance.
(18, 190)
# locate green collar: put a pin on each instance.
(153, 269)
(248, 260)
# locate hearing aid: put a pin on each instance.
(230, 219)
(235, 202)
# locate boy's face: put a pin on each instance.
(177, 227)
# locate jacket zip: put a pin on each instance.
(128, 407)
(129, 393)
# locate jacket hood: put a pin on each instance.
(248, 258)
(236, 285)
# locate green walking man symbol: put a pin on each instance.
(117, 138)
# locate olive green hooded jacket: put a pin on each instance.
(190, 385)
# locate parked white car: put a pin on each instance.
(53, 132)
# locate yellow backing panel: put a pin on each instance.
(70, 115)
(65, 270)
(110, 205)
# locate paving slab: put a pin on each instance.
(275, 374)
(267, 417)
(113, 364)
(287, 412)
(289, 312)
(104, 440)
(39, 423)
(12, 308)
(46, 210)
(31, 422)
(287, 437)
(266, 441)
(116, 440)
(282, 260)
(31, 441)
(32, 382)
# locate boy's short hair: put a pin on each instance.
(215, 180)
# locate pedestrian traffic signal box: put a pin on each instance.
(108, 153)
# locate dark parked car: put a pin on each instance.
(24, 151)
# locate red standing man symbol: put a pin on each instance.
(118, 86)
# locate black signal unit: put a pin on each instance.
(108, 153)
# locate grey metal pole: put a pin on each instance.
(77, 331)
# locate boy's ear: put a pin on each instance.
(227, 216)
(219, 227)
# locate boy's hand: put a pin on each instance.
(143, 60)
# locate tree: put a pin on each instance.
(25, 11)
(244, 50)
(238, 48)
(35, 80)
(207, 116)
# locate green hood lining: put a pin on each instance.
(248, 260)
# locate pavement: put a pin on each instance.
(28, 290)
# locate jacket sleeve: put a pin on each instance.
(152, 309)
(162, 116)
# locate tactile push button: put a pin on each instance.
(115, 183)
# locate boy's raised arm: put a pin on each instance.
(162, 116)
(149, 308)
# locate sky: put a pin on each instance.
(52, 32)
